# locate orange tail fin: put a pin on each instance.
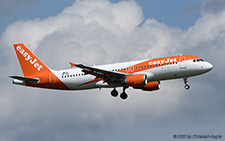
(30, 63)
(34, 70)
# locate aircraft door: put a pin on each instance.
(52, 80)
(182, 62)
(130, 69)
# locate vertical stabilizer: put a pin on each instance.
(36, 73)
(29, 62)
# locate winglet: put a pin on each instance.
(72, 64)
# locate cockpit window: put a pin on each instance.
(198, 60)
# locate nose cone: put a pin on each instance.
(207, 66)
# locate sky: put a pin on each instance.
(101, 32)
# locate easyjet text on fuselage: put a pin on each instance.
(163, 61)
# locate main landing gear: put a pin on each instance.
(186, 86)
(123, 95)
(114, 92)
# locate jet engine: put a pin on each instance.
(138, 80)
(151, 86)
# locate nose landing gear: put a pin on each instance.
(186, 86)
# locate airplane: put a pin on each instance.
(143, 74)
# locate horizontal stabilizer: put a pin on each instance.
(25, 79)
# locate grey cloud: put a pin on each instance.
(213, 6)
(189, 10)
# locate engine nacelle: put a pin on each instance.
(138, 80)
(151, 86)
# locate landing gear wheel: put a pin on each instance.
(123, 95)
(114, 93)
(187, 87)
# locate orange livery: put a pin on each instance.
(143, 74)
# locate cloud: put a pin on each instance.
(101, 32)
(212, 6)
(108, 15)
(191, 9)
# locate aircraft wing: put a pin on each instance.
(107, 76)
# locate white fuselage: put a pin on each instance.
(75, 77)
